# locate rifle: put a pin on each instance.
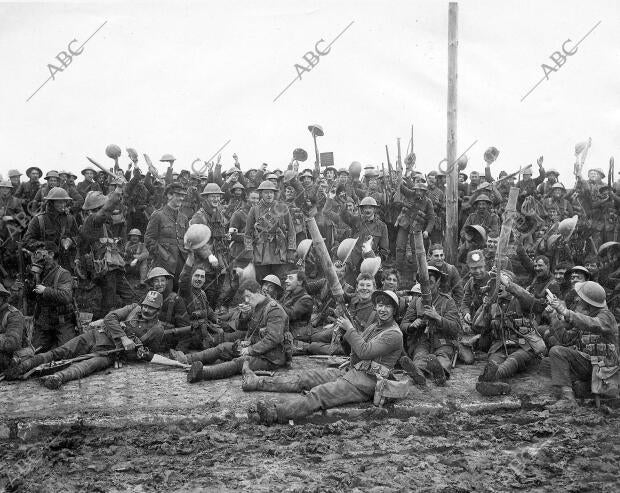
(22, 279)
(387, 153)
(610, 174)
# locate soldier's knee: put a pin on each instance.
(558, 352)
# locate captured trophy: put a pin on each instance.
(299, 155)
(316, 131)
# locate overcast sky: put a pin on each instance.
(184, 78)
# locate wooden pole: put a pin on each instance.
(452, 183)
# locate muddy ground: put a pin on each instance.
(532, 450)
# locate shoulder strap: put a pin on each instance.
(5, 319)
(57, 277)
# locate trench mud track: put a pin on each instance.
(527, 450)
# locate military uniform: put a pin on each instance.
(557, 209)
(240, 257)
(298, 306)
(269, 346)
(364, 229)
(164, 239)
(488, 220)
(374, 352)
(88, 186)
(435, 337)
(54, 316)
(270, 236)
(414, 210)
(12, 334)
(27, 191)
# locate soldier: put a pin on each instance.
(546, 188)
(89, 184)
(165, 232)
(101, 253)
(417, 213)
(240, 257)
(451, 280)
(12, 331)
(527, 186)
(555, 205)
(56, 225)
(484, 216)
(11, 221)
(121, 330)
(271, 286)
(368, 227)
(297, 303)
(29, 189)
(270, 234)
(516, 342)
(235, 198)
(542, 278)
(53, 180)
(596, 347)
(296, 213)
(433, 332)
(15, 179)
(136, 255)
(374, 352)
(136, 198)
(173, 311)
(67, 181)
(54, 315)
(267, 345)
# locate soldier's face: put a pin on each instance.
(53, 181)
(477, 272)
(34, 175)
(268, 196)
(252, 174)
(159, 283)
(253, 299)
(365, 288)
(59, 205)
(269, 289)
(15, 180)
(343, 177)
(385, 310)
(289, 193)
(306, 181)
(329, 174)
(291, 282)
(431, 180)
(552, 178)
(576, 277)
(438, 257)
(238, 193)
(559, 275)
(198, 278)
(482, 206)
(148, 312)
(419, 194)
(214, 199)
(527, 176)
(474, 178)
(492, 243)
(390, 282)
(89, 175)
(175, 199)
(368, 212)
(5, 192)
(253, 198)
(134, 239)
(557, 193)
(593, 175)
(540, 267)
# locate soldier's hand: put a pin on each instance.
(39, 288)
(417, 323)
(467, 318)
(213, 260)
(425, 234)
(66, 243)
(245, 308)
(245, 351)
(128, 344)
(539, 161)
(430, 312)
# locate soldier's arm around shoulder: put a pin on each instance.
(450, 319)
(12, 338)
(62, 291)
(273, 332)
(112, 323)
(383, 344)
(410, 315)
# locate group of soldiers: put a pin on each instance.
(223, 273)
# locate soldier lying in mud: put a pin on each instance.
(133, 330)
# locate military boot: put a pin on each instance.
(300, 348)
(436, 370)
(28, 364)
(406, 363)
(492, 388)
(76, 371)
(280, 383)
(206, 356)
(52, 382)
(198, 372)
(179, 356)
(566, 402)
(263, 412)
(489, 374)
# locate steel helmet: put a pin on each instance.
(578, 268)
(113, 151)
(57, 193)
(343, 171)
(33, 168)
(6, 184)
(552, 171)
(602, 248)
(68, 173)
(307, 173)
(232, 171)
(238, 185)
(304, 247)
(391, 296)
(355, 168)
(482, 198)
(368, 202)
(371, 173)
(89, 168)
(134, 232)
(416, 289)
(196, 236)
(212, 189)
(153, 299)
(370, 265)
(420, 186)
(94, 199)
(52, 174)
(267, 185)
(599, 171)
(14, 172)
(167, 158)
(345, 248)
(158, 272)
(592, 293)
(333, 168)
(476, 230)
(490, 155)
(273, 280)
(271, 176)
(432, 268)
(558, 185)
(567, 226)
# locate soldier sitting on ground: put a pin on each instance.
(267, 345)
(12, 331)
(120, 329)
(374, 352)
